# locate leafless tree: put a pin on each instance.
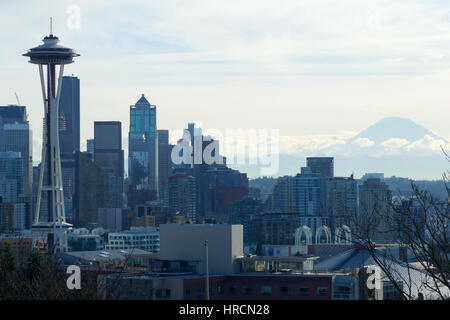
(416, 258)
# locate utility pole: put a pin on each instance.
(207, 271)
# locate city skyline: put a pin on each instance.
(256, 68)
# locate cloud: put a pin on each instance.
(295, 144)
(428, 143)
(394, 143)
(364, 142)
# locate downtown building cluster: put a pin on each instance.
(294, 242)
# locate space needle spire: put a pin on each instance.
(48, 56)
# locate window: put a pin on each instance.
(167, 293)
(232, 290)
(284, 291)
(266, 290)
(303, 291)
(220, 290)
(247, 290)
(199, 292)
(390, 292)
(322, 291)
(158, 293)
(342, 292)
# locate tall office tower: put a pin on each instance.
(164, 159)
(225, 186)
(324, 166)
(143, 146)
(375, 207)
(341, 203)
(182, 198)
(200, 167)
(69, 136)
(17, 137)
(11, 176)
(69, 111)
(91, 191)
(108, 155)
(11, 189)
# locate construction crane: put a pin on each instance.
(17, 98)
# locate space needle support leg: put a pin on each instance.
(61, 218)
(44, 151)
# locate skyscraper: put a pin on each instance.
(69, 111)
(182, 196)
(69, 136)
(341, 203)
(375, 207)
(164, 159)
(108, 155)
(91, 192)
(17, 137)
(143, 146)
(323, 166)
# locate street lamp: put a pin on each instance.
(207, 271)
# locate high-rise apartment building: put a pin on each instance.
(375, 207)
(341, 201)
(182, 196)
(323, 166)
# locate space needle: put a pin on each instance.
(49, 55)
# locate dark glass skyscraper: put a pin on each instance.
(143, 146)
(69, 136)
(108, 155)
(69, 113)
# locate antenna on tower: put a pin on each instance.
(17, 98)
(51, 26)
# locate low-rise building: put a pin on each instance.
(145, 238)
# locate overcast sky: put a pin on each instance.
(303, 67)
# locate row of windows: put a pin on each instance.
(133, 243)
(264, 290)
(112, 247)
(127, 237)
